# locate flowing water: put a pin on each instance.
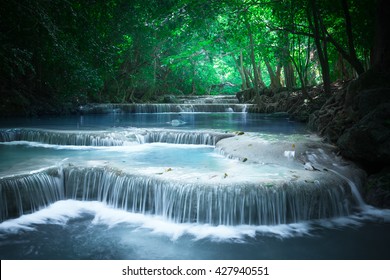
(149, 182)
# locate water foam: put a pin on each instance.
(62, 212)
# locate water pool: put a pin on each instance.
(190, 201)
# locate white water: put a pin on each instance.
(120, 137)
(184, 183)
(62, 211)
(164, 108)
(105, 173)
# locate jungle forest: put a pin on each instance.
(59, 53)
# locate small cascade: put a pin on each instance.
(108, 139)
(151, 108)
(213, 108)
(187, 104)
(60, 137)
(181, 202)
(332, 164)
(221, 203)
(27, 193)
(181, 137)
(209, 99)
(146, 108)
(354, 189)
(216, 204)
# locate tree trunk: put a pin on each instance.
(289, 77)
(314, 22)
(253, 61)
(286, 63)
(380, 60)
(278, 74)
(248, 77)
(355, 62)
(240, 67)
(193, 63)
(274, 77)
(343, 70)
(260, 76)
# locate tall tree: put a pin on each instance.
(381, 49)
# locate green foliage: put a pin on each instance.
(53, 52)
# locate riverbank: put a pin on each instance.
(355, 118)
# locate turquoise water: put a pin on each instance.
(89, 229)
(221, 121)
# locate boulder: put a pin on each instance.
(370, 99)
(168, 98)
(246, 95)
(368, 141)
(377, 189)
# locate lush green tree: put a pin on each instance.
(57, 52)
(337, 28)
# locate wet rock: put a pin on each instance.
(167, 99)
(378, 189)
(297, 105)
(357, 118)
(369, 139)
(245, 96)
(331, 120)
(368, 100)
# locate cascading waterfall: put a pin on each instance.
(181, 202)
(59, 137)
(239, 108)
(112, 139)
(181, 137)
(273, 202)
(164, 108)
(27, 193)
(98, 187)
(216, 99)
(151, 108)
(355, 192)
(323, 159)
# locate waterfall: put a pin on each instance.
(182, 137)
(190, 104)
(221, 99)
(281, 199)
(216, 204)
(60, 137)
(165, 108)
(153, 108)
(114, 139)
(213, 108)
(355, 192)
(27, 193)
(328, 160)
